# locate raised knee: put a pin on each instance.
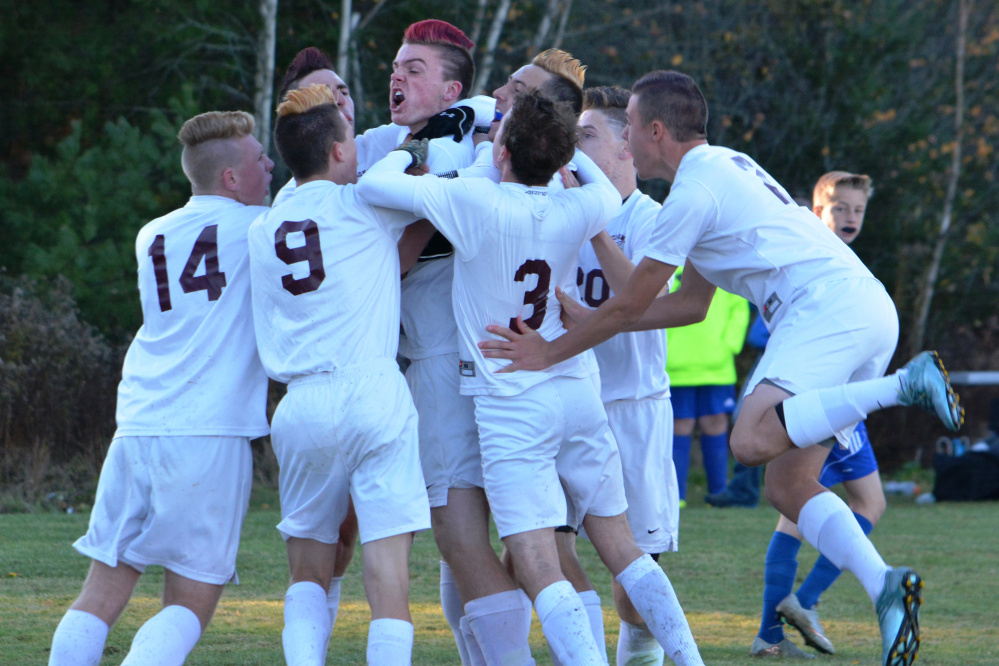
(745, 450)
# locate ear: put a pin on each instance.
(503, 155)
(659, 131)
(817, 210)
(452, 90)
(229, 180)
(336, 152)
(625, 152)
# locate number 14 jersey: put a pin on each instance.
(193, 368)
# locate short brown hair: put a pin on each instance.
(540, 134)
(454, 47)
(830, 181)
(609, 100)
(308, 123)
(674, 100)
(568, 74)
(206, 150)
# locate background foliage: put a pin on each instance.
(91, 95)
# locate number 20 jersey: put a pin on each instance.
(325, 274)
(193, 368)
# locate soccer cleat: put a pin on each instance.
(645, 659)
(898, 615)
(783, 650)
(926, 385)
(806, 622)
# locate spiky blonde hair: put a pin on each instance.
(560, 63)
(828, 182)
(299, 101)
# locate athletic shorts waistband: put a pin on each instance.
(346, 372)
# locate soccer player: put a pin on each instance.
(840, 200)
(515, 242)
(325, 275)
(833, 324)
(175, 485)
(634, 386)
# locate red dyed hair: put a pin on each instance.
(306, 61)
(453, 45)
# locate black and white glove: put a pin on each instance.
(455, 123)
(418, 149)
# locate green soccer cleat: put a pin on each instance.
(898, 615)
(806, 622)
(926, 385)
(783, 650)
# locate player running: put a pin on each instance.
(834, 330)
(175, 485)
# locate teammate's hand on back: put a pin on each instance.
(573, 312)
(526, 348)
(418, 148)
(568, 178)
(455, 123)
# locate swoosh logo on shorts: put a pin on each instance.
(655, 530)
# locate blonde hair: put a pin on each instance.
(561, 64)
(207, 149)
(300, 100)
(830, 181)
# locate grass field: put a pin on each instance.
(718, 575)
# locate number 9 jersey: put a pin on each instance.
(193, 368)
(325, 273)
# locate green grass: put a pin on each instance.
(718, 575)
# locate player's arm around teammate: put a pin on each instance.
(176, 444)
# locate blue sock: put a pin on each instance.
(714, 450)
(824, 573)
(778, 582)
(681, 460)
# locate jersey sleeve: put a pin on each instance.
(687, 213)
(483, 166)
(642, 223)
(597, 200)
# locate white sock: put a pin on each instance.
(390, 642)
(306, 624)
(78, 640)
(475, 656)
(815, 416)
(453, 609)
(566, 625)
(827, 523)
(165, 639)
(591, 604)
(333, 600)
(498, 623)
(635, 640)
(653, 597)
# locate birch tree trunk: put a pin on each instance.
(263, 96)
(544, 27)
(343, 45)
(562, 23)
(495, 30)
(929, 285)
(478, 22)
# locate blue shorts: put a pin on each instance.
(690, 402)
(841, 465)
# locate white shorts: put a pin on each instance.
(833, 333)
(349, 434)
(556, 429)
(449, 440)
(177, 502)
(644, 433)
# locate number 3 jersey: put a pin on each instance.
(325, 273)
(513, 245)
(744, 233)
(193, 368)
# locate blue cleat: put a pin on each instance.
(926, 385)
(898, 615)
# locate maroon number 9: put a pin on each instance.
(311, 252)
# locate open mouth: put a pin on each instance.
(396, 99)
(849, 231)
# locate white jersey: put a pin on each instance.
(513, 244)
(373, 145)
(632, 365)
(193, 368)
(743, 232)
(325, 271)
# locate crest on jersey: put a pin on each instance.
(771, 306)
(466, 368)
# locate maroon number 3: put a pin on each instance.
(537, 297)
